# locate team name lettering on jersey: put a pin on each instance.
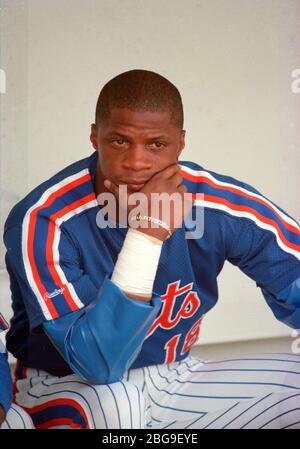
(189, 306)
(168, 319)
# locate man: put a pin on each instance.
(11, 416)
(105, 316)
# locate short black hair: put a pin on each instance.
(140, 90)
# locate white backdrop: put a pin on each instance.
(232, 62)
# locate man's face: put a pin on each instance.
(133, 146)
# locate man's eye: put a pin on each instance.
(119, 141)
(158, 144)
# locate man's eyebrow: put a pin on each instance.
(158, 136)
(155, 136)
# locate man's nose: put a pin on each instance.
(137, 158)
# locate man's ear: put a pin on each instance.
(181, 143)
(93, 136)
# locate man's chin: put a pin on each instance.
(134, 187)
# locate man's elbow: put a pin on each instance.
(98, 379)
(95, 374)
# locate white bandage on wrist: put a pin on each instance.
(137, 263)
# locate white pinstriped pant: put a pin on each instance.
(252, 391)
(17, 418)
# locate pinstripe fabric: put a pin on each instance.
(253, 391)
(119, 405)
(257, 391)
(17, 418)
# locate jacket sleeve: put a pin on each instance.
(286, 304)
(266, 247)
(101, 341)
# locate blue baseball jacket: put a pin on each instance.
(70, 317)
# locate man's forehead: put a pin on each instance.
(126, 118)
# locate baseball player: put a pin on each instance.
(11, 415)
(105, 316)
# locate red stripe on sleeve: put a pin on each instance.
(31, 233)
(49, 247)
(218, 200)
(237, 191)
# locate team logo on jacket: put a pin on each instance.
(189, 306)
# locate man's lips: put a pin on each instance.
(134, 184)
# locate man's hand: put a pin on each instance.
(172, 212)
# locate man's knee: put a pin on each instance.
(119, 405)
(17, 418)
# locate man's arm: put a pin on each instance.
(102, 340)
(97, 331)
(267, 249)
(286, 304)
(115, 325)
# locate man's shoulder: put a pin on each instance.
(199, 178)
(228, 196)
(70, 183)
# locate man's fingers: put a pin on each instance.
(168, 172)
(177, 179)
(107, 183)
(113, 188)
(172, 170)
